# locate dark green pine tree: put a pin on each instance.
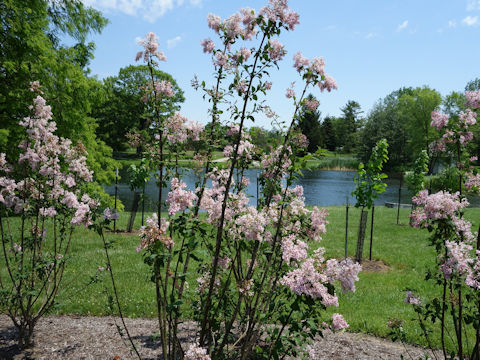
(328, 134)
(310, 126)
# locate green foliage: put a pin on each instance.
(416, 178)
(473, 85)
(138, 175)
(416, 108)
(403, 118)
(328, 134)
(32, 50)
(369, 177)
(309, 125)
(347, 126)
(120, 108)
(265, 139)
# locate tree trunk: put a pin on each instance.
(361, 235)
(133, 213)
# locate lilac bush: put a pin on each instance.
(456, 245)
(42, 199)
(263, 281)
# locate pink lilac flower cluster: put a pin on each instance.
(345, 271)
(245, 150)
(110, 214)
(458, 259)
(241, 24)
(276, 50)
(441, 205)
(242, 87)
(311, 105)
(290, 91)
(473, 182)
(473, 99)
(221, 59)
(213, 197)
(439, 120)
(150, 44)
(473, 276)
(308, 280)
(179, 129)
(318, 223)
(204, 280)
(196, 352)
(56, 166)
(315, 68)
(249, 224)
(411, 298)
(271, 161)
(242, 56)
(338, 322)
(208, 45)
(245, 287)
(152, 233)
(278, 10)
(234, 129)
(179, 198)
(293, 249)
(164, 88)
(36, 87)
(312, 275)
(455, 131)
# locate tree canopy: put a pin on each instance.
(120, 108)
(32, 50)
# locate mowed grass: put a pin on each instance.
(378, 298)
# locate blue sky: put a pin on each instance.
(371, 47)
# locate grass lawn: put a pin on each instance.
(378, 298)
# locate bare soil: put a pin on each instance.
(88, 337)
(377, 266)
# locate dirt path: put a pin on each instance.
(88, 337)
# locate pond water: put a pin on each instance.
(321, 187)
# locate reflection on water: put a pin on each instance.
(321, 187)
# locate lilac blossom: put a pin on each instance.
(329, 84)
(195, 352)
(150, 44)
(308, 280)
(290, 91)
(345, 271)
(276, 50)
(208, 45)
(473, 277)
(110, 214)
(293, 249)
(152, 232)
(411, 298)
(214, 22)
(439, 120)
(473, 181)
(467, 118)
(473, 99)
(312, 104)
(164, 87)
(300, 62)
(179, 198)
(458, 260)
(221, 59)
(338, 322)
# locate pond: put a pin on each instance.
(321, 187)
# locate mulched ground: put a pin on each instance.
(88, 337)
(377, 266)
